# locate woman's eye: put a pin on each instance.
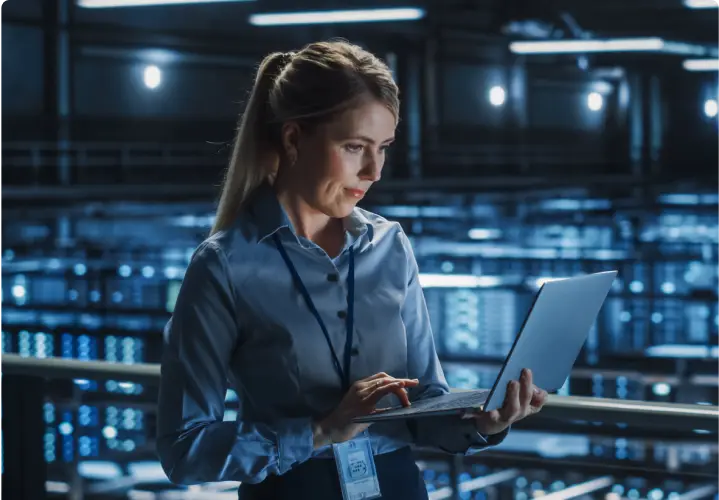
(354, 148)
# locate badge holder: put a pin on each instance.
(357, 472)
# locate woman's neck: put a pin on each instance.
(321, 229)
(306, 221)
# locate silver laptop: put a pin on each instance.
(548, 343)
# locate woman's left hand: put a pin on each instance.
(521, 400)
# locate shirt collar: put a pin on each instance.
(270, 217)
(268, 214)
(357, 224)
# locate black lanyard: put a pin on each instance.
(349, 319)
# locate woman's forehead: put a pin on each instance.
(370, 119)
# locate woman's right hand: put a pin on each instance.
(360, 400)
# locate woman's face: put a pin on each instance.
(337, 162)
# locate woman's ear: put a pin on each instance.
(290, 141)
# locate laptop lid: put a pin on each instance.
(553, 333)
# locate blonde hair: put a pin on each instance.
(311, 86)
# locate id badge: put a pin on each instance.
(355, 464)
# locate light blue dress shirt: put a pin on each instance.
(240, 322)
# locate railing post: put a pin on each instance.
(456, 466)
(77, 488)
(24, 466)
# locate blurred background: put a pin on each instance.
(538, 139)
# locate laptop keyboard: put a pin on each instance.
(452, 401)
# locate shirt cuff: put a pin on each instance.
(483, 441)
(295, 442)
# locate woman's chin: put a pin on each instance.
(341, 210)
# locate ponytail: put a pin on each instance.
(250, 164)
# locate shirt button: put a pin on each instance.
(333, 278)
(355, 351)
(341, 314)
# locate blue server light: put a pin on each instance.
(125, 271)
(50, 446)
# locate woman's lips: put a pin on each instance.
(356, 193)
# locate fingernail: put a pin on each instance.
(536, 390)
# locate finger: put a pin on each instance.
(539, 399)
(368, 387)
(490, 422)
(525, 391)
(401, 393)
(376, 385)
(380, 392)
(407, 382)
(510, 409)
(372, 395)
(375, 376)
(494, 416)
(395, 387)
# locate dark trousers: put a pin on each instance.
(399, 479)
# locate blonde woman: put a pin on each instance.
(308, 306)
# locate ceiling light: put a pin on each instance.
(106, 4)
(711, 108)
(701, 4)
(595, 101)
(652, 44)
(152, 77)
(497, 95)
(701, 65)
(336, 16)
(578, 46)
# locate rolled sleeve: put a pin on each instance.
(296, 442)
(194, 444)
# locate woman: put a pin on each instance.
(309, 307)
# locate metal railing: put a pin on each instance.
(26, 479)
(632, 413)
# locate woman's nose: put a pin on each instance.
(372, 170)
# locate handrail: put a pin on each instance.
(576, 408)
(58, 368)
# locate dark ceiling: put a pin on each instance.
(605, 18)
